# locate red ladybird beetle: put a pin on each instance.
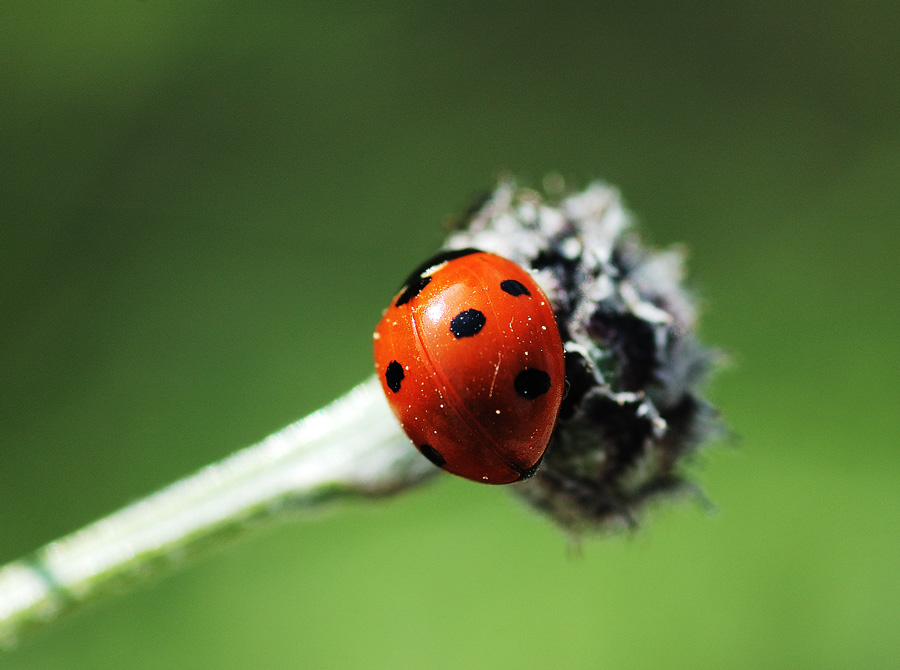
(472, 364)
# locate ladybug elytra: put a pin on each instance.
(471, 361)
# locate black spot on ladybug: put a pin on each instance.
(532, 383)
(413, 288)
(529, 472)
(514, 288)
(467, 324)
(415, 282)
(432, 455)
(394, 376)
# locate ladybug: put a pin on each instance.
(470, 358)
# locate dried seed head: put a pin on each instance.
(633, 363)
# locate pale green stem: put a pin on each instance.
(354, 447)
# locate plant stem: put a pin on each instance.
(354, 447)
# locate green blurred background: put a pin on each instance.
(204, 207)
